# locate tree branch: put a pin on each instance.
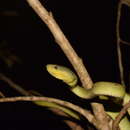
(22, 91)
(76, 108)
(13, 85)
(118, 43)
(126, 2)
(102, 118)
(26, 93)
(62, 42)
(72, 124)
(120, 115)
(125, 42)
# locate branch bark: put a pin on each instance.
(62, 42)
(102, 118)
(76, 108)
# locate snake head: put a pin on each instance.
(62, 73)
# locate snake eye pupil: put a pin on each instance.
(56, 67)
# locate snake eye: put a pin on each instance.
(56, 67)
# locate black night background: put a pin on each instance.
(89, 26)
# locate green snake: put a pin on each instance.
(99, 89)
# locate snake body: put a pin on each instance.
(54, 105)
(99, 89)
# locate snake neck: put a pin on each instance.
(82, 92)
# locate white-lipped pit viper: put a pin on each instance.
(99, 89)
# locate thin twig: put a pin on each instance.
(62, 42)
(22, 91)
(120, 115)
(2, 95)
(126, 2)
(76, 108)
(26, 93)
(13, 85)
(125, 42)
(72, 124)
(118, 43)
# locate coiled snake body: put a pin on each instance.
(99, 89)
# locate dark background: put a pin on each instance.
(90, 27)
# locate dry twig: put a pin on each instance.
(125, 42)
(120, 115)
(73, 125)
(76, 108)
(102, 118)
(126, 2)
(118, 43)
(62, 42)
(13, 85)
